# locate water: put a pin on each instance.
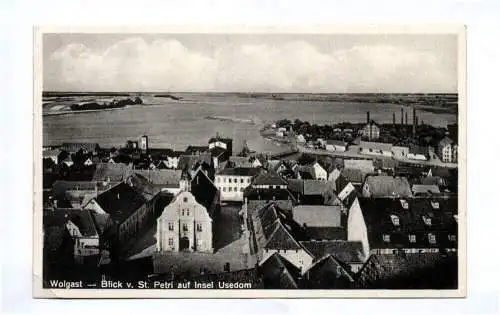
(176, 124)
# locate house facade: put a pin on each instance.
(184, 225)
(447, 150)
(371, 131)
(232, 182)
(335, 145)
(375, 148)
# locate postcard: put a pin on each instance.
(249, 162)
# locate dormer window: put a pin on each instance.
(387, 238)
(452, 237)
(412, 238)
(432, 238)
(435, 205)
(395, 220)
(427, 220)
(404, 204)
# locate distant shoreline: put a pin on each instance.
(66, 112)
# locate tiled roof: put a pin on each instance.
(328, 272)
(268, 194)
(166, 178)
(410, 271)
(379, 146)
(384, 163)
(240, 161)
(365, 166)
(425, 189)
(217, 151)
(187, 162)
(386, 186)
(61, 186)
(114, 172)
(269, 231)
(325, 233)
(318, 216)
(196, 149)
(410, 228)
(269, 178)
(80, 217)
(349, 252)
(120, 201)
(310, 187)
(240, 171)
(279, 273)
(353, 175)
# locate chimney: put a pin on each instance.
(95, 190)
(402, 116)
(406, 119)
(394, 119)
(414, 120)
(367, 117)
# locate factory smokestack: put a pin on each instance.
(406, 118)
(414, 120)
(367, 117)
(402, 117)
(394, 119)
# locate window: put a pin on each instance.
(182, 212)
(404, 204)
(387, 238)
(427, 220)
(235, 180)
(187, 211)
(170, 242)
(395, 220)
(242, 180)
(224, 189)
(241, 189)
(185, 227)
(435, 205)
(199, 227)
(235, 189)
(412, 238)
(218, 179)
(185, 199)
(229, 180)
(452, 238)
(248, 180)
(230, 189)
(224, 179)
(170, 226)
(432, 238)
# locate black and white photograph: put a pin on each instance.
(240, 162)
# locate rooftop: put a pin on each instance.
(385, 186)
(240, 171)
(269, 178)
(365, 166)
(318, 216)
(120, 201)
(346, 251)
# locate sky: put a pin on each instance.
(286, 63)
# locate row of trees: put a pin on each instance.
(113, 104)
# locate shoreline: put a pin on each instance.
(66, 112)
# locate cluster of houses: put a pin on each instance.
(364, 141)
(310, 224)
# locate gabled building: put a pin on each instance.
(184, 225)
(55, 155)
(113, 206)
(335, 145)
(232, 182)
(321, 223)
(425, 190)
(156, 180)
(328, 273)
(447, 150)
(386, 186)
(269, 180)
(278, 273)
(390, 225)
(272, 234)
(81, 228)
(111, 172)
(375, 148)
(312, 171)
(311, 192)
(348, 253)
(371, 131)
